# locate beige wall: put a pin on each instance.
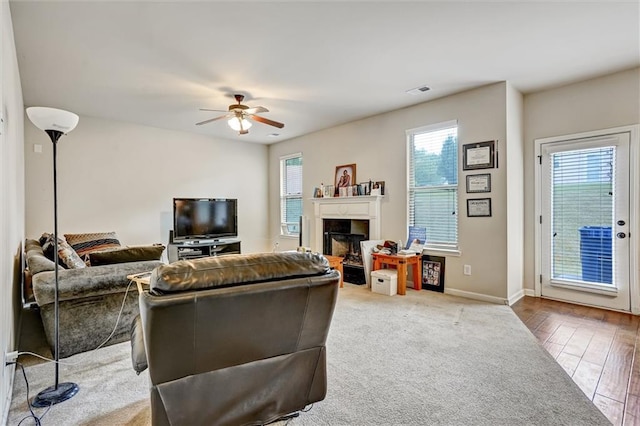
(600, 103)
(11, 202)
(378, 147)
(499, 249)
(122, 177)
(515, 188)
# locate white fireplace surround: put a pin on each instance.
(364, 207)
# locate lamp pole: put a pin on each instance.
(55, 135)
(59, 392)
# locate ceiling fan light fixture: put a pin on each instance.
(239, 117)
(238, 124)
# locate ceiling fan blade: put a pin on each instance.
(213, 119)
(255, 110)
(266, 121)
(215, 110)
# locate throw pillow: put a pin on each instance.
(84, 244)
(126, 254)
(67, 257)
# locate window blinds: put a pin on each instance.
(582, 203)
(433, 184)
(291, 193)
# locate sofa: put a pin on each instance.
(90, 297)
(237, 339)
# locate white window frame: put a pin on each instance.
(285, 227)
(451, 248)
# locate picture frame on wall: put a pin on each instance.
(433, 268)
(479, 207)
(345, 177)
(479, 183)
(479, 155)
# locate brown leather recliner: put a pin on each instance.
(235, 340)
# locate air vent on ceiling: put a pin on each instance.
(418, 90)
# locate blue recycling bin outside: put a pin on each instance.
(595, 253)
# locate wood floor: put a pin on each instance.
(599, 349)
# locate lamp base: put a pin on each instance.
(52, 395)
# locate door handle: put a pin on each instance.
(621, 235)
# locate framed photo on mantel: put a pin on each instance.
(345, 177)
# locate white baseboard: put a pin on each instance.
(476, 296)
(530, 292)
(10, 370)
(514, 298)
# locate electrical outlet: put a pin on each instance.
(467, 269)
(10, 357)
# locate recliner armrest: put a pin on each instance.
(138, 352)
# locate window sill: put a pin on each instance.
(289, 236)
(442, 252)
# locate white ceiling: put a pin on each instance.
(312, 64)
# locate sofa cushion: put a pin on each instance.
(229, 270)
(67, 257)
(84, 244)
(126, 254)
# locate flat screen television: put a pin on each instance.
(205, 218)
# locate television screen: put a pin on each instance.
(204, 218)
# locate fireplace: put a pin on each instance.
(341, 223)
(342, 237)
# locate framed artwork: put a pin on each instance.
(479, 155)
(433, 273)
(379, 185)
(364, 189)
(479, 183)
(345, 176)
(479, 207)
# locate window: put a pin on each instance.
(290, 194)
(581, 186)
(433, 183)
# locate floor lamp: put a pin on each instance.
(55, 122)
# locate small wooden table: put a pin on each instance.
(141, 280)
(336, 263)
(400, 261)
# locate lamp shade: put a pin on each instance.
(52, 119)
(234, 123)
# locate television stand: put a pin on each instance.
(186, 250)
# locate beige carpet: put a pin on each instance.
(425, 358)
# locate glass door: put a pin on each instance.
(584, 222)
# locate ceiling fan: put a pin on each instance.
(239, 116)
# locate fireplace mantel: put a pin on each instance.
(361, 207)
